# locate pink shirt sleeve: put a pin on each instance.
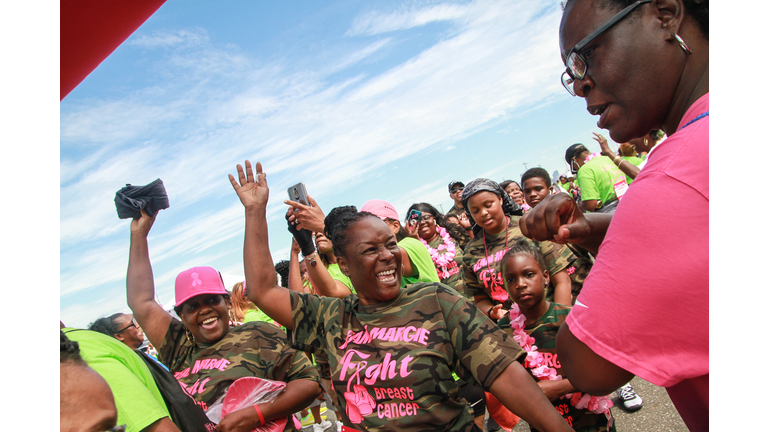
(645, 304)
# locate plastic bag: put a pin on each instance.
(245, 392)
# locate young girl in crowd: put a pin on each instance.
(441, 244)
(496, 228)
(533, 322)
(391, 348)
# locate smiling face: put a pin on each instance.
(373, 261)
(623, 66)
(514, 191)
(131, 334)
(207, 317)
(525, 281)
(535, 190)
(427, 226)
(487, 212)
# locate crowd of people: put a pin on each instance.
(513, 303)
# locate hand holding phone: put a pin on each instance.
(298, 193)
(414, 217)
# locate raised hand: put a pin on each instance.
(309, 217)
(605, 150)
(557, 218)
(252, 192)
(143, 224)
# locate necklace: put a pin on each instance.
(539, 368)
(494, 284)
(442, 260)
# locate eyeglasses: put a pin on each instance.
(120, 428)
(576, 64)
(426, 217)
(132, 324)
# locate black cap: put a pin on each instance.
(577, 148)
(454, 183)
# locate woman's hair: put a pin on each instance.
(523, 247)
(333, 215)
(70, 351)
(282, 269)
(697, 9)
(240, 302)
(506, 183)
(340, 227)
(629, 152)
(329, 222)
(107, 325)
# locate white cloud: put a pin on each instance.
(167, 39)
(405, 18)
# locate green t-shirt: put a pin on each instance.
(481, 273)
(596, 180)
(252, 349)
(257, 315)
(336, 274)
(139, 402)
(544, 332)
(420, 260)
(391, 363)
(634, 160)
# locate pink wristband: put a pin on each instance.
(258, 411)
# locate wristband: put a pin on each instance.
(489, 313)
(261, 416)
(617, 158)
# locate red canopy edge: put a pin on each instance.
(92, 29)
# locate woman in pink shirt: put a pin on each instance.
(640, 66)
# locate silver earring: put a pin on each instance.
(683, 45)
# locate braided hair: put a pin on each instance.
(339, 228)
(70, 351)
(106, 325)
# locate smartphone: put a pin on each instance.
(414, 217)
(298, 193)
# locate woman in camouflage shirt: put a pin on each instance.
(391, 349)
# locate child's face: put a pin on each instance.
(535, 190)
(525, 280)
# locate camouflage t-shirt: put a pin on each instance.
(252, 349)
(450, 274)
(481, 272)
(391, 364)
(544, 331)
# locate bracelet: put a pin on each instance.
(619, 165)
(311, 258)
(261, 416)
(617, 158)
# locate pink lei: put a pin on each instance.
(442, 260)
(579, 400)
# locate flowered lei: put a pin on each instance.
(443, 254)
(579, 400)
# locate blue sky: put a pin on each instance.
(358, 100)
